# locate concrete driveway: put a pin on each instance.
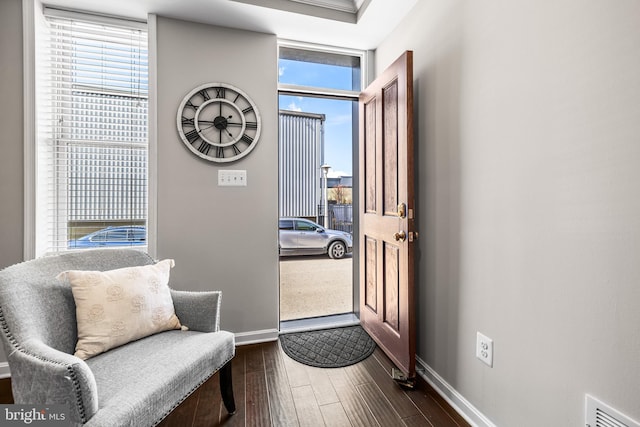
(312, 286)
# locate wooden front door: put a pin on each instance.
(387, 212)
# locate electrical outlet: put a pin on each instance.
(484, 349)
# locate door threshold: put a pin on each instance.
(315, 323)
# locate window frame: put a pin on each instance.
(33, 18)
(366, 58)
(366, 75)
(301, 90)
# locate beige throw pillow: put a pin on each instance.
(118, 306)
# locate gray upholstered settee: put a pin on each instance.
(137, 384)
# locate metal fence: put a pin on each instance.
(340, 217)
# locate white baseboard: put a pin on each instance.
(4, 370)
(451, 395)
(254, 337)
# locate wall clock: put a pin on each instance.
(218, 122)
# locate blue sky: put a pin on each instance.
(338, 125)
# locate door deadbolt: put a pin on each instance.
(402, 210)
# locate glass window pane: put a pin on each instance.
(100, 237)
(319, 69)
(118, 235)
(92, 146)
(139, 234)
(338, 127)
(304, 226)
(286, 224)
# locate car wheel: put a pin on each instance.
(337, 250)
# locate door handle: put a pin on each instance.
(400, 237)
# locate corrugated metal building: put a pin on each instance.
(301, 154)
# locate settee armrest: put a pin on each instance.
(199, 311)
(51, 376)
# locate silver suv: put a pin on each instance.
(303, 237)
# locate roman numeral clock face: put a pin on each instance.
(218, 122)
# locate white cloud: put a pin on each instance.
(281, 71)
(293, 107)
(336, 174)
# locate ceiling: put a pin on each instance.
(351, 6)
(359, 24)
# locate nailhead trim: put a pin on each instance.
(70, 368)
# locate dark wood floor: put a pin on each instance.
(273, 390)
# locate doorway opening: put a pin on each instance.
(318, 123)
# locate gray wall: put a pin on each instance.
(221, 237)
(11, 136)
(529, 170)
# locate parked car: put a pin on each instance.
(299, 236)
(127, 235)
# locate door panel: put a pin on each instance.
(387, 233)
(369, 112)
(391, 287)
(308, 237)
(288, 239)
(390, 148)
(371, 277)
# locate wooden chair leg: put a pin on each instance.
(226, 388)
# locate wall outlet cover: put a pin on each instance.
(484, 349)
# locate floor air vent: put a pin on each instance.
(599, 414)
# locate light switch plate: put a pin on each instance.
(232, 178)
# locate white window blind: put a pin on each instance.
(92, 93)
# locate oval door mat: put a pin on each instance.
(329, 348)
